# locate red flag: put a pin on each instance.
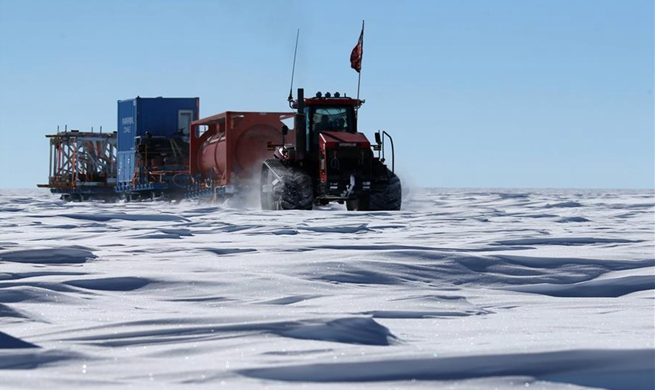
(357, 53)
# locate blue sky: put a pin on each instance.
(477, 93)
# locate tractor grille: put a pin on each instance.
(347, 161)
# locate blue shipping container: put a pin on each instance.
(158, 116)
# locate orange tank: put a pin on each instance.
(234, 145)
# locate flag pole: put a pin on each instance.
(359, 74)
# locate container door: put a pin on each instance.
(184, 119)
(125, 167)
(127, 124)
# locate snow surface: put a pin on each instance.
(462, 289)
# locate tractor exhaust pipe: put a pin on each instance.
(299, 126)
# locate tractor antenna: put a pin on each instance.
(293, 69)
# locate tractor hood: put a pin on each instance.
(342, 139)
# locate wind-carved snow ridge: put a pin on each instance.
(110, 284)
(353, 330)
(9, 342)
(344, 330)
(564, 241)
(461, 289)
(614, 287)
(61, 255)
(610, 369)
(17, 354)
(563, 204)
(103, 217)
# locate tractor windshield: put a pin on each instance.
(332, 119)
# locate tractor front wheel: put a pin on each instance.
(285, 188)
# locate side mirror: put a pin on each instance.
(377, 138)
(285, 130)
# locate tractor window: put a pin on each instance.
(332, 119)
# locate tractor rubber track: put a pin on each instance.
(388, 196)
(291, 188)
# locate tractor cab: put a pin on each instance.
(325, 113)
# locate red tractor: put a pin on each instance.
(330, 161)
